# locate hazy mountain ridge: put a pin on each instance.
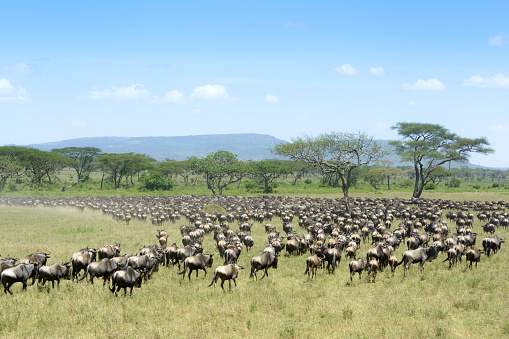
(247, 146)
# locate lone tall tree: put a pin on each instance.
(334, 153)
(428, 146)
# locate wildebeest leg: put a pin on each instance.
(53, 283)
(222, 283)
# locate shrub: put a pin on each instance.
(407, 183)
(476, 186)
(430, 186)
(455, 182)
(495, 185)
(308, 181)
(155, 181)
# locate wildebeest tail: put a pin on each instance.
(307, 269)
(185, 269)
(334, 261)
(214, 279)
(84, 275)
(400, 262)
(252, 271)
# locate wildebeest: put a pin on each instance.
(333, 258)
(373, 268)
(125, 278)
(81, 259)
(248, 242)
(473, 255)
(226, 272)
(122, 260)
(6, 263)
(420, 255)
(357, 266)
(109, 251)
(292, 246)
(312, 264)
(184, 252)
(197, 262)
(263, 262)
(232, 253)
(40, 258)
(54, 272)
(103, 268)
(492, 245)
(393, 262)
(170, 254)
(19, 273)
(146, 263)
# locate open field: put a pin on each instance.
(455, 303)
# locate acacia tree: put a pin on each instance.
(9, 169)
(122, 165)
(266, 171)
(334, 153)
(80, 158)
(428, 146)
(220, 169)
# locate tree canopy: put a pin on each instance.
(220, 169)
(334, 153)
(80, 158)
(428, 146)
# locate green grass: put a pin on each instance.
(455, 303)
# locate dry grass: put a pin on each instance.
(440, 303)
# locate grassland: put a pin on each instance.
(455, 303)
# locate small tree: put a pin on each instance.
(334, 153)
(220, 169)
(80, 158)
(266, 171)
(428, 146)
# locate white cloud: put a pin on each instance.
(79, 123)
(196, 111)
(10, 93)
(413, 103)
(210, 92)
(134, 91)
(20, 67)
(174, 96)
(377, 71)
(496, 81)
(345, 69)
(272, 99)
(425, 85)
(498, 127)
(498, 40)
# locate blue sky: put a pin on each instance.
(73, 69)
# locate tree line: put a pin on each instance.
(337, 156)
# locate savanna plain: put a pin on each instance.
(451, 303)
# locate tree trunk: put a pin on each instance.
(388, 182)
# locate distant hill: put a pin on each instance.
(247, 146)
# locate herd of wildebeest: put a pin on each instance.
(318, 226)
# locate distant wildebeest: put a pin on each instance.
(226, 272)
(197, 262)
(19, 273)
(54, 272)
(312, 264)
(420, 255)
(103, 268)
(263, 262)
(357, 266)
(109, 251)
(125, 278)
